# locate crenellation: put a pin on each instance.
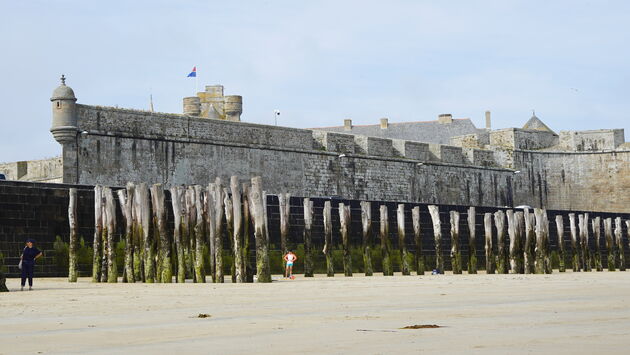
(373, 146)
(411, 150)
(479, 157)
(446, 154)
(334, 142)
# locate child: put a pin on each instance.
(290, 258)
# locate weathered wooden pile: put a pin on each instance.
(155, 251)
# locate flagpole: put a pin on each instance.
(196, 81)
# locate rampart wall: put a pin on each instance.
(119, 145)
(125, 145)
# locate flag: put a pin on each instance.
(193, 73)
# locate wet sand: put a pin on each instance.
(577, 313)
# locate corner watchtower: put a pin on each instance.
(65, 129)
(64, 123)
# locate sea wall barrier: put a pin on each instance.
(144, 236)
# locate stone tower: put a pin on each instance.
(214, 105)
(65, 128)
(64, 124)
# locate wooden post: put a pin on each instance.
(218, 233)
(610, 243)
(105, 247)
(546, 243)
(437, 235)
(620, 246)
(472, 247)
(143, 203)
(502, 254)
(574, 243)
(72, 249)
(328, 245)
(344, 221)
(164, 269)
(200, 272)
(308, 244)
(487, 224)
(125, 199)
(456, 256)
(519, 219)
(262, 247)
(512, 240)
(560, 241)
(176, 201)
(417, 236)
(285, 207)
(229, 223)
(583, 227)
(596, 223)
(247, 232)
(138, 236)
(210, 226)
(190, 220)
(540, 241)
(110, 207)
(514, 233)
(366, 222)
(98, 230)
(384, 235)
(530, 242)
(237, 205)
(628, 231)
(402, 244)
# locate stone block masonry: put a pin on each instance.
(114, 146)
(125, 145)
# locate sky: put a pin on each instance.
(318, 62)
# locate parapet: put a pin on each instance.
(594, 140)
(373, 146)
(411, 150)
(333, 142)
(479, 157)
(446, 154)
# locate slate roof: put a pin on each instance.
(536, 124)
(420, 131)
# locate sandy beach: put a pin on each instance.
(574, 313)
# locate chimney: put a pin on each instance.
(445, 118)
(384, 123)
(347, 124)
(488, 122)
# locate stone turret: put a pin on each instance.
(212, 104)
(64, 124)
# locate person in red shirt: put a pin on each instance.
(290, 258)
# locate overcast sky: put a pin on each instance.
(319, 61)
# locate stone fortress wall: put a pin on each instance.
(44, 170)
(507, 167)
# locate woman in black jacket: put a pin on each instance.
(29, 254)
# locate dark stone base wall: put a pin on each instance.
(40, 211)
